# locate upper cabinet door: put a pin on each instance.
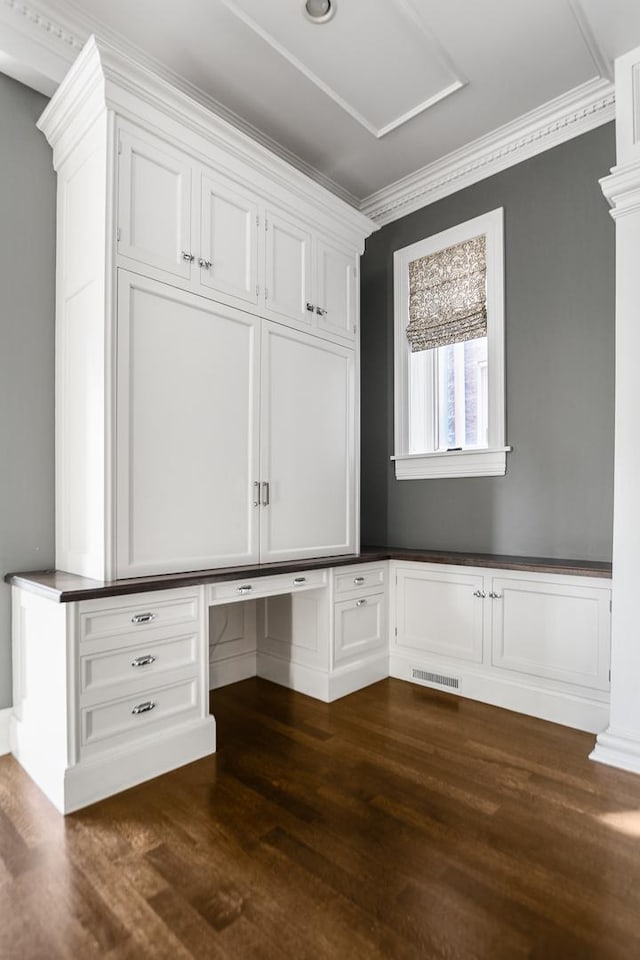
(154, 204)
(288, 269)
(336, 305)
(188, 373)
(228, 258)
(307, 446)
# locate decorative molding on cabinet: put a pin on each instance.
(5, 717)
(578, 111)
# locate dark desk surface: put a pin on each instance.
(65, 587)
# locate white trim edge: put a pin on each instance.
(582, 109)
(617, 750)
(5, 718)
(452, 463)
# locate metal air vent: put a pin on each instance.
(434, 679)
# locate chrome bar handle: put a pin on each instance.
(298, 580)
(360, 603)
(358, 580)
(143, 661)
(143, 707)
(143, 618)
(256, 493)
(189, 257)
(265, 494)
(245, 588)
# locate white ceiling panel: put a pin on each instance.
(395, 70)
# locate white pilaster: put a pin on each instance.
(619, 745)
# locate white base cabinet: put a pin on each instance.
(535, 643)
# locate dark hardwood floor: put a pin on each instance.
(397, 822)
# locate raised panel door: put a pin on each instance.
(228, 260)
(154, 204)
(307, 446)
(336, 290)
(288, 269)
(187, 431)
(548, 629)
(440, 612)
(359, 628)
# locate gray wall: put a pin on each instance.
(557, 497)
(27, 267)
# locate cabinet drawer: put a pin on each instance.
(357, 579)
(99, 672)
(359, 627)
(136, 615)
(143, 713)
(267, 586)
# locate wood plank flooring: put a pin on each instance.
(398, 822)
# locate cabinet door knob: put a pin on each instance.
(143, 661)
(320, 311)
(310, 307)
(189, 257)
(360, 603)
(480, 594)
(143, 617)
(143, 707)
(207, 264)
(495, 596)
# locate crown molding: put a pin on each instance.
(42, 40)
(581, 109)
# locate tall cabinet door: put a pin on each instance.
(307, 446)
(336, 290)
(154, 204)
(187, 431)
(288, 269)
(229, 244)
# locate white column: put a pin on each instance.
(619, 745)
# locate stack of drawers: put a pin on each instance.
(360, 612)
(139, 667)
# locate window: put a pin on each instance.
(449, 353)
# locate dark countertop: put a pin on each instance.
(66, 587)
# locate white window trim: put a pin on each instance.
(490, 461)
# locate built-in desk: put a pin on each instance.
(112, 679)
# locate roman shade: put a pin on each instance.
(448, 296)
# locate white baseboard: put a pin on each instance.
(545, 702)
(231, 670)
(115, 770)
(322, 684)
(5, 719)
(619, 749)
(355, 676)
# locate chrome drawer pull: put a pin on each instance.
(299, 580)
(246, 588)
(143, 661)
(358, 580)
(143, 618)
(360, 603)
(143, 707)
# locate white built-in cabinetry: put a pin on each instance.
(535, 642)
(207, 349)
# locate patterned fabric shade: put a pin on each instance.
(448, 296)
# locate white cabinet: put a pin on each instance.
(336, 290)
(228, 249)
(187, 431)
(534, 642)
(359, 628)
(440, 612)
(287, 281)
(308, 446)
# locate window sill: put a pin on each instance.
(452, 463)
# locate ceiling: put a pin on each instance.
(383, 89)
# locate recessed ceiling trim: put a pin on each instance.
(377, 132)
(587, 106)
